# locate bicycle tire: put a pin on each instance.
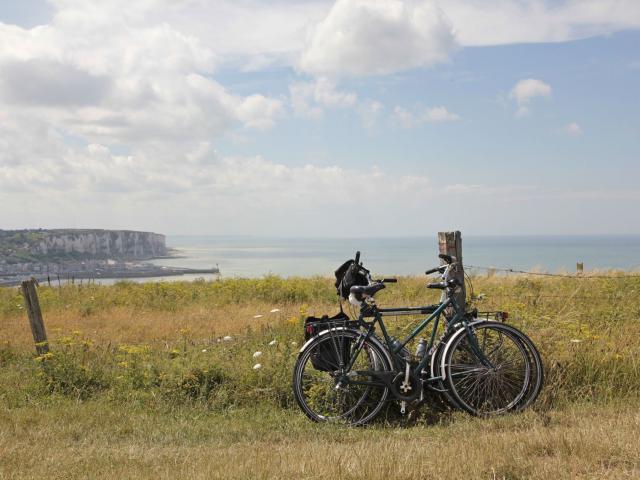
(537, 373)
(487, 389)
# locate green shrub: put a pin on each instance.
(194, 384)
(7, 355)
(66, 373)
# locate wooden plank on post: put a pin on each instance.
(450, 243)
(35, 316)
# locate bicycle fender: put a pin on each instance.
(448, 344)
(432, 364)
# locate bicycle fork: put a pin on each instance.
(477, 351)
(353, 356)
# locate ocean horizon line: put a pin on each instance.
(409, 236)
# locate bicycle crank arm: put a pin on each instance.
(434, 389)
(388, 379)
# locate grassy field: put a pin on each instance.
(157, 381)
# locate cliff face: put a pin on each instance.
(125, 244)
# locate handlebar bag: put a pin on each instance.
(348, 275)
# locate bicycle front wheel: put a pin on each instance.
(537, 371)
(327, 392)
(489, 371)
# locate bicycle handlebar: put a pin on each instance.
(440, 269)
(451, 283)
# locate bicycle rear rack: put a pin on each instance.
(313, 327)
(497, 316)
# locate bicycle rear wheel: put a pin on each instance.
(326, 392)
(495, 384)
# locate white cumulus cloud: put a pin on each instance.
(408, 119)
(502, 22)
(310, 98)
(108, 73)
(376, 37)
(371, 37)
(526, 90)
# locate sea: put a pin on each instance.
(248, 256)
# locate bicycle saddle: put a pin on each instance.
(367, 289)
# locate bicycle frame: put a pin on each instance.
(433, 317)
(434, 312)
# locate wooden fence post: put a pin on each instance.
(450, 243)
(35, 316)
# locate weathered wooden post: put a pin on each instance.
(450, 243)
(35, 316)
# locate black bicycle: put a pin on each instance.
(346, 371)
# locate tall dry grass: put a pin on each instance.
(96, 440)
(141, 383)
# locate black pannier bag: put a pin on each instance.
(348, 275)
(325, 356)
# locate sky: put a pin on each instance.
(321, 118)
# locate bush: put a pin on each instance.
(65, 373)
(194, 384)
(7, 355)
